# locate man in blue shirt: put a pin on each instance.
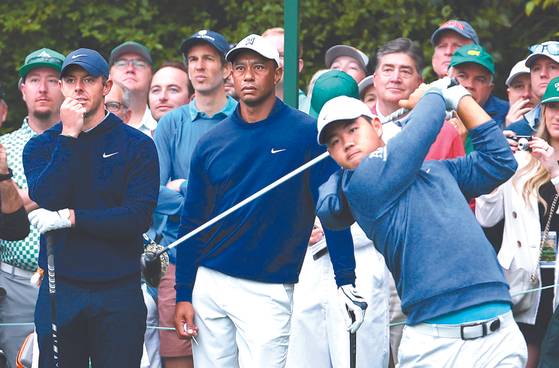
(473, 66)
(450, 283)
(176, 136)
(95, 179)
(238, 275)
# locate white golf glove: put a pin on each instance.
(354, 305)
(451, 90)
(45, 220)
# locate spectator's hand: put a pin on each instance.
(45, 220)
(3, 160)
(512, 143)
(175, 184)
(184, 320)
(517, 110)
(72, 116)
(317, 234)
(353, 304)
(545, 153)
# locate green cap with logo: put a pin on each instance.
(473, 53)
(43, 58)
(551, 92)
(332, 84)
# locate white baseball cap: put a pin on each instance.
(548, 48)
(257, 44)
(344, 50)
(340, 108)
(518, 69)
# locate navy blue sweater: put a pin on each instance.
(265, 240)
(417, 216)
(110, 177)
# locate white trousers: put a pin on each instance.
(318, 333)
(241, 323)
(504, 348)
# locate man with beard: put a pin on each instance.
(41, 93)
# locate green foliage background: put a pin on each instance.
(506, 27)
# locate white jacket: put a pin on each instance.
(521, 237)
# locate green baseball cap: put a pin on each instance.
(473, 53)
(551, 92)
(43, 58)
(332, 84)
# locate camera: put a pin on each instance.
(523, 142)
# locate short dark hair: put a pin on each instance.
(405, 46)
(179, 66)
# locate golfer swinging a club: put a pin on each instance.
(96, 180)
(452, 289)
(235, 279)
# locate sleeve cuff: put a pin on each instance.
(184, 294)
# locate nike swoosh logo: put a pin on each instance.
(109, 155)
(77, 56)
(278, 150)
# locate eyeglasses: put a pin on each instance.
(114, 106)
(136, 63)
(552, 48)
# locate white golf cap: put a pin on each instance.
(548, 48)
(518, 69)
(344, 50)
(340, 108)
(257, 44)
(365, 83)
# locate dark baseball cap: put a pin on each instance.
(90, 60)
(332, 84)
(42, 58)
(212, 38)
(130, 47)
(473, 53)
(461, 27)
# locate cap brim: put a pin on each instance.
(192, 41)
(342, 50)
(24, 70)
(232, 54)
(439, 31)
(532, 58)
(365, 83)
(129, 49)
(513, 76)
(550, 99)
(90, 69)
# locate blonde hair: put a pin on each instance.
(541, 176)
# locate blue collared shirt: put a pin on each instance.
(176, 137)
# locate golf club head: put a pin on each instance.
(151, 268)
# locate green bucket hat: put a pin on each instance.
(332, 84)
(43, 58)
(473, 53)
(551, 92)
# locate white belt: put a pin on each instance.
(466, 331)
(16, 271)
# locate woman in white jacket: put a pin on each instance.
(525, 202)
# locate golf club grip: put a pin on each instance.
(49, 237)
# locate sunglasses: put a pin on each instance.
(552, 48)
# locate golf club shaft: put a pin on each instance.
(52, 294)
(244, 202)
(352, 346)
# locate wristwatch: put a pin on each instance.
(6, 176)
